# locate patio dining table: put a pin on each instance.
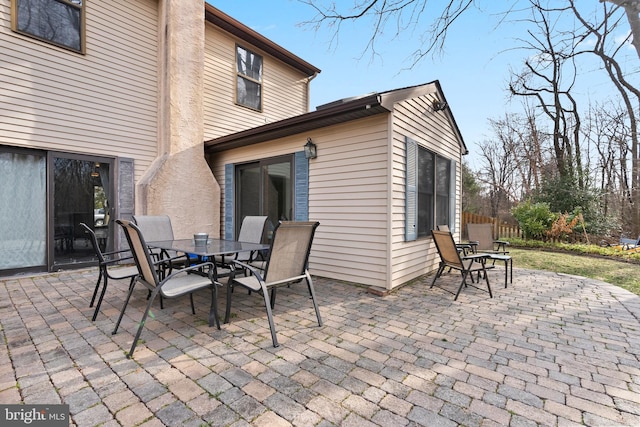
(214, 247)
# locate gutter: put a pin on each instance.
(332, 114)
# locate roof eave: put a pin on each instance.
(230, 25)
(361, 108)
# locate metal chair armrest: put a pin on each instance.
(111, 261)
(197, 267)
(476, 256)
(251, 268)
(116, 252)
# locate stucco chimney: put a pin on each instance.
(179, 182)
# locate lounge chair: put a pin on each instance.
(451, 257)
(465, 248)
(481, 236)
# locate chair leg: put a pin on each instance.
(313, 298)
(193, 309)
(227, 312)
(99, 303)
(141, 324)
(506, 268)
(438, 273)
(511, 269)
(272, 327)
(462, 283)
(213, 311)
(95, 291)
(124, 307)
(486, 278)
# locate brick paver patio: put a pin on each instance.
(549, 350)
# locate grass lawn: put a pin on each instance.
(621, 273)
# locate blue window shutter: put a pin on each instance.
(452, 196)
(411, 190)
(126, 189)
(125, 203)
(228, 201)
(301, 192)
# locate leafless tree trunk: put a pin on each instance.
(607, 131)
(629, 93)
(544, 79)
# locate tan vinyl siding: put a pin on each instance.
(348, 194)
(104, 102)
(415, 118)
(284, 89)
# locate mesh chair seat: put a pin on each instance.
(178, 283)
(184, 284)
(481, 235)
(286, 264)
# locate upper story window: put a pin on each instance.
(249, 79)
(60, 22)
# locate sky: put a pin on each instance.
(473, 70)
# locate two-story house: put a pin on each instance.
(104, 107)
(138, 107)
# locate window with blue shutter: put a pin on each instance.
(430, 191)
(452, 197)
(411, 190)
(229, 201)
(301, 184)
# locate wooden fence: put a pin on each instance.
(501, 230)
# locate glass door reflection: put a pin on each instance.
(80, 195)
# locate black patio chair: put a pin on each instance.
(110, 266)
(158, 228)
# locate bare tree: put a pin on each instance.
(607, 130)
(630, 94)
(549, 76)
(547, 79)
(632, 12)
(405, 15)
(527, 146)
(497, 173)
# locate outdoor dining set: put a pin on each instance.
(171, 268)
(168, 267)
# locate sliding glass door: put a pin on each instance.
(265, 188)
(23, 209)
(81, 193)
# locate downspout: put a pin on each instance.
(309, 90)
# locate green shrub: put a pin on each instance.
(534, 219)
